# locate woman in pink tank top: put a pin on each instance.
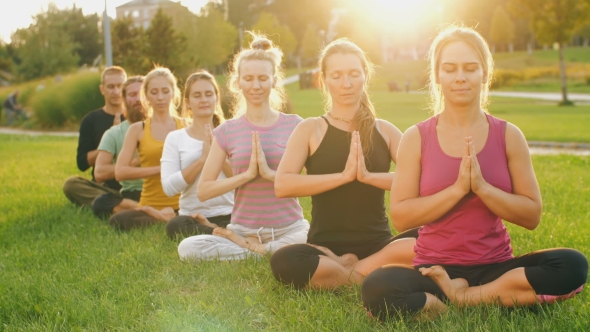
(459, 174)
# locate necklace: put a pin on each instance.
(337, 118)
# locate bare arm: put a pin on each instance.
(124, 169)
(209, 186)
(392, 136)
(289, 182)
(91, 157)
(191, 173)
(104, 169)
(522, 207)
(408, 209)
(226, 169)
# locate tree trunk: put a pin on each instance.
(564, 100)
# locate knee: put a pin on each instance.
(69, 188)
(188, 248)
(173, 227)
(103, 205)
(576, 267)
(116, 221)
(295, 264)
(387, 292)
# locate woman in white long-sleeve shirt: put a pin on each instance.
(184, 155)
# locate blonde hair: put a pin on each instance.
(364, 120)
(478, 43)
(218, 117)
(261, 48)
(166, 73)
(112, 70)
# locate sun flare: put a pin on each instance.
(400, 13)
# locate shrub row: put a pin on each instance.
(68, 100)
(507, 77)
(55, 102)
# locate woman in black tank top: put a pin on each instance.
(347, 156)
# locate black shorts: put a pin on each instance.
(389, 290)
(297, 263)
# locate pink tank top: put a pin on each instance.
(470, 233)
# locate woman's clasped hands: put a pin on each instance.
(355, 168)
(470, 177)
(258, 164)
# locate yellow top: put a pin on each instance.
(150, 153)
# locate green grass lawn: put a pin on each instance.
(63, 269)
(539, 121)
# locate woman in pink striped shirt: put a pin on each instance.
(254, 141)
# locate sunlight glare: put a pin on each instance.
(400, 14)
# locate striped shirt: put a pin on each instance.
(256, 204)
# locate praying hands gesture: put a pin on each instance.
(355, 168)
(470, 177)
(258, 164)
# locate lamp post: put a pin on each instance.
(108, 49)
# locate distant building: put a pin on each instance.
(142, 11)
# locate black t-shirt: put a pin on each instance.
(352, 214)
(92, 128)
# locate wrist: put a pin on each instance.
(366, 179)
(458, 191)
(482, 189)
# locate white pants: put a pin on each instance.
(217, 247)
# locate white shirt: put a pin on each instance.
(180, 151)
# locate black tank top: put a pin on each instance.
(355, 212)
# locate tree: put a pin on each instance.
(5, 62)
(43, 48)
(280, 35)
(83, 31)
(216, 39)
(310, 45)
(127, 42)
(299, 14)
(164, 46)
(554, 21)
(502, 28)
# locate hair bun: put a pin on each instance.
(262, 44)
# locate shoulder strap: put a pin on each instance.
(323, 117)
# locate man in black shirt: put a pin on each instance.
(79, 190)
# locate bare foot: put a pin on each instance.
(167, 213)
(201, 219)
(346, 260)
(248, 243)
(451, 287)
(164, 215)
(231, 235)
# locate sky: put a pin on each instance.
(21, 11)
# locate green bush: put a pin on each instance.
(588, 80)
(48, 107)
(504, 77)
(69, 100)
(83, 95)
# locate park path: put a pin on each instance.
(551, 96)
(536, 147)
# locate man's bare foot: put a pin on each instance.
(451, 287)
(346, 260)
(201, 219)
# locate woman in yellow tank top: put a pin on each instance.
(160, 96)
